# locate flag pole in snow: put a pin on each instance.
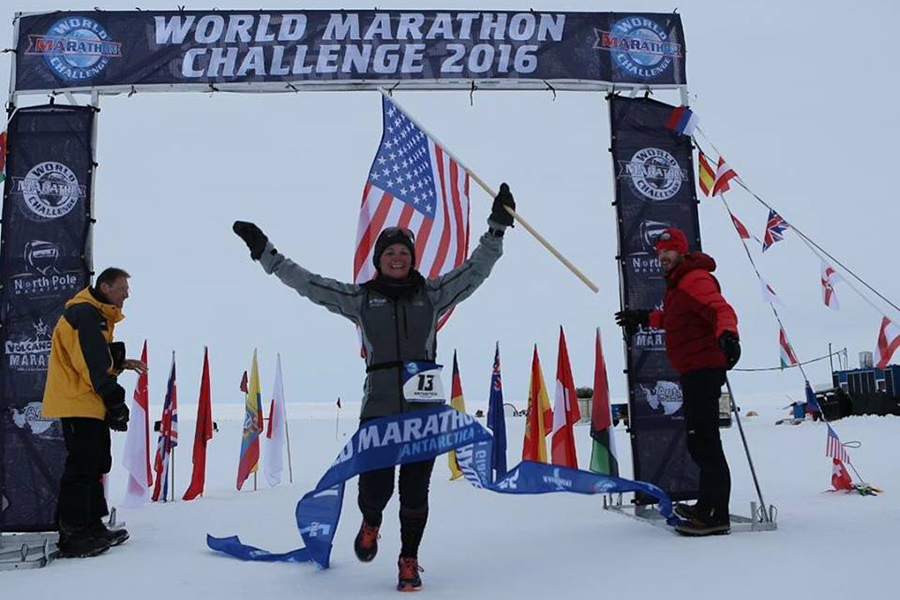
(287, 439)
(493, 193)
(737, 417)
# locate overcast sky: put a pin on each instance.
(800, 97)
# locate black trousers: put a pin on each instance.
(377, 487)
(81, 498)
(701, 390)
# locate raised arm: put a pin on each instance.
(341, 298)
(452, 288)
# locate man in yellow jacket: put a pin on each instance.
(83, 392)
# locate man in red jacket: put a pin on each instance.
(701, 344)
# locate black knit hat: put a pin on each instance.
(394, 235)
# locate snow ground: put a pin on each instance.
(479, 544)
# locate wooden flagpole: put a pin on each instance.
(593, 287)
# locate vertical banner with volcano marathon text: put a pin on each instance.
(46, 205)
(366, 48)
(654, 190)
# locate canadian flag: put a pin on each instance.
(829, 278)
(888, 342)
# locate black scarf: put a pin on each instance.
(396, 288)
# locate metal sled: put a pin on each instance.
(760, 519)
(27, 550)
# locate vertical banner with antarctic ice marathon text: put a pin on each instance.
(265, 49)
(46, 205)
(654, 184)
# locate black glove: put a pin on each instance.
(632, 319)
(117, 351)
(731, 347)
(500, 215)
(117, 417)
(253, 236)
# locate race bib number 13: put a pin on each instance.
(422, 382)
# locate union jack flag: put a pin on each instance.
(168, 438)
(414, 184)
(834, 448)
(775, 228)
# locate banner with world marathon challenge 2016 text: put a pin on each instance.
(350, 49)
(46, 203)
(654, 190)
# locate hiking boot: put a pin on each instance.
(113, 536)
(80, 542)
(703, 527)
(366, 543)
(408, 579)
(691, 511)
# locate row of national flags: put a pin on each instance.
(558, 422)
(152, 480)
(544, 421)
(714, 182)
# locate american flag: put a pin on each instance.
(413, 183)
(775, 228)
(168, 438)
(834, 448)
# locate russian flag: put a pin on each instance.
(683, 121)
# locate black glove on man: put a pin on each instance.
(500, 215)
(113, 396)
(117, 417)
(632, 319)
(731, 347)
(117, 352)
(253, 236)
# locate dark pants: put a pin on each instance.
(701, 390)
(81, 498)
(376, 488)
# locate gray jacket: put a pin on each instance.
(393, 331)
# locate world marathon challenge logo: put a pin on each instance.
(75, 48)
(639, 47)
(49, 190)
(653, 173)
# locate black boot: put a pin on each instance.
(78, 541)
(113, 536)
(691, 511)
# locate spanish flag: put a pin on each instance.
(706, 177)
(540, 416)
(458, 402)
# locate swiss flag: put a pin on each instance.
(840, 478)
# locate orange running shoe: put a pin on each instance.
(409, 580)
(366, 544)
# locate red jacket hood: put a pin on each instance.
(690, 262)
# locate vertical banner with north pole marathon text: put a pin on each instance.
(219, 49)
(46, 219)
(654, 185)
